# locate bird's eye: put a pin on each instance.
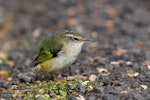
(76, 39)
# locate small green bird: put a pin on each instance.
(58, 51)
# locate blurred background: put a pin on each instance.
(23, 22)
(120, 30)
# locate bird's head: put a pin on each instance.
(72, 37)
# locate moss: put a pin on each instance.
(42, 90)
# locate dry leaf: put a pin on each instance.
(133, 74)
(129, 63)
(148, 65)
(140, 45)
(119, 62)
(95, 59)
(103, 71)
(120, 51)
(92, 77)
(142, 76)
(76, 76)
(37, 32)
(80, 97)
(4, 74)
(124, 92)
(144, 86)
(6, 26)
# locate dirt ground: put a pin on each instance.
(118, 56)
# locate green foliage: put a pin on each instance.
(57, 89)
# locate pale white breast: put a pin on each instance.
(65, 59)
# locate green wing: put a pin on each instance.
(48, 50)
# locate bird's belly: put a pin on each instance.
(62, 62)
(65, 59)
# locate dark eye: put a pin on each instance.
(76, 39)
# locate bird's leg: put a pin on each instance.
(69, 71)
(59, 75)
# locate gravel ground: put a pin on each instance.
(118, 56)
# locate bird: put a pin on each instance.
(59, 51)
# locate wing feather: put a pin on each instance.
(48, 50)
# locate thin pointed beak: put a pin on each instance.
(86, 39)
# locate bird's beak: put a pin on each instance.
(86, 39)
